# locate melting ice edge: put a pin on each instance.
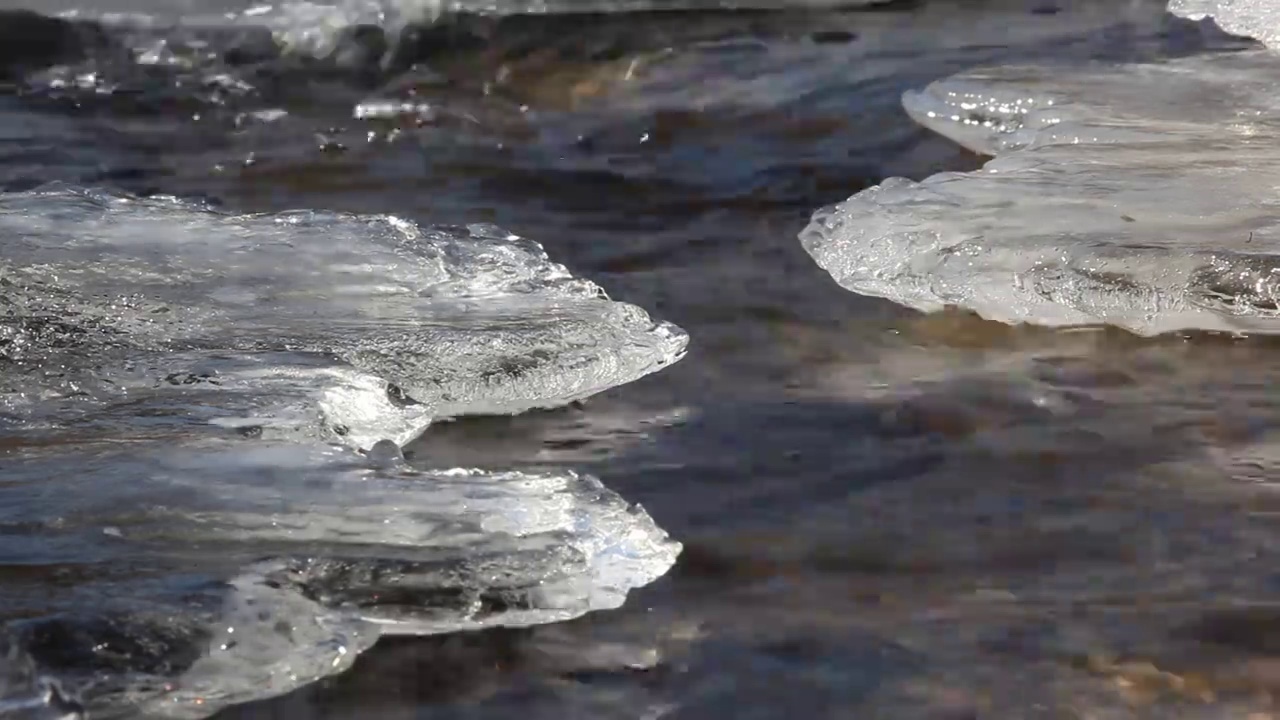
(1138, 195)
(200, 415)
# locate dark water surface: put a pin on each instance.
(884, 514)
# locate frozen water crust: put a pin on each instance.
(316, 26)
(207, 576)
(363, 328)
(1255, 18)
(200, 419)
(1137, 195)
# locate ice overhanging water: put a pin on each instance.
(1139, 195)
(201, 417)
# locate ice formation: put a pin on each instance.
(1139, 195)
(374, 324)
(318, 26)
(1255, 18)
(266, 566)
(201, 416)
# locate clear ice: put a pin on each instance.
(317, 27)
(203, 499)
(363, 328)
(1140, 195)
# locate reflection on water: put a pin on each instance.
(884, 514)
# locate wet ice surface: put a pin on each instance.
(420, 322)
(1254, 18)
(196, 386)
(227, 573)
(1136, 195)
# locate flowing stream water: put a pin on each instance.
(639, 359)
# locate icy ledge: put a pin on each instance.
(1141, 196)
(213, 576)
(325, 326)
(1258, 19)
(199, 423)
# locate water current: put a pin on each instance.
(639, 359)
